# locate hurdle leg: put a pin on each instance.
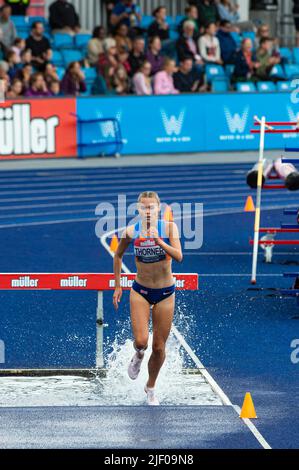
(100, 332)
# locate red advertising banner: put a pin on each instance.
(38, 128)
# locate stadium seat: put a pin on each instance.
(40, 19)
(57, 59)
(277, 71)
(23, 34)
(146, 20)
(283, 86)
(220, 84)
(266, 86)
(229, 70)
(170, 21)
(237, 37)
(90, 74)
(291, 71)
(71, 55)
(60, 72)
(286, 54)
(82, 40)
(20, 22)
(214, 70)
(245, 87)
(62, 41)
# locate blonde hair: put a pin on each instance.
(149, 194)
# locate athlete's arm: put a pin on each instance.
(117, 262)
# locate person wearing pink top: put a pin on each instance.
(163, 82)
(142, 80)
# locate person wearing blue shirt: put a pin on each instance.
(228, 45)
(126, 12)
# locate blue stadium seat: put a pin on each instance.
(57, 59)
(220, 84)
(245, 87)
(82, 40)
(266, 86)
(60, 72)
(283, 86)
(23, 34)
(40, 19)
(291, 71)
(170, 21)
(21, 22)
(214, 70)
(71, 55)
(146, 20)
(90, 74)
(296, 55)
(229, 70)
(62, 41)
(277, 71)
(237, 37)
(286, 54)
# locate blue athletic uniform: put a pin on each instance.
(146, 250)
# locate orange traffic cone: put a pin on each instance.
(248, 410)
(249, 206)
(114, 243)
(168, 215)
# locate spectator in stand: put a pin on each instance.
(159, 26)
(54, 88)
(18, 46)
(121, 81)
(9, 32)
(228, 11)
(108, 62)
(142, 80)
(127, 12)
(187, 79)
(96, 45)
(3, 48)
(153, 55)
(191, 15)
(39, 45)
(186, 46)
(163, 81)
(207, 11)
(245, 63)
(137, 55)
(13, 64)
(228, 46)
(73, 82)
(63, 18)
(50, 73)
(24, 75)
(18, 7)
(26, 57)
(37, 86)
(123, 59)
(264, 32)
(265, 59)
(15, 90)
(122, 39)
(110, 4)
(296, 19)
(209, 46)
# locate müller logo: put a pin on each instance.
(73, 281)
(24, 282)
(125, 282)
(22, 135)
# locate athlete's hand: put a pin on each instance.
(117, 296)
(153, 233)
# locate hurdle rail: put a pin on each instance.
(98, 282)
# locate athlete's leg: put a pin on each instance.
(162, 320)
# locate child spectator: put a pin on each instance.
(137, 55)
(39, 45)
(209, 46)
(73, 82)
(18, 46)
(265, 59)
(121, 81)
(26, 57)
(153, 55)
(24, 75)
(163, 81)
(142, 81)
(50, 74)
(13, 64)
(96, 45)
(227, 43)
(122, 39)
(187, 79)
(37, 86)
(54, 88)
(159, 26)
(15, 90)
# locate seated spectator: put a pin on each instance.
(26, 57)
(209, 46)
(110, 4)
(141, 81)
(245, 63)
(153, 55)
(18, 7)
(122, 39)
(163, 81)
(18, 46)
(9, 32)
(121, 81)
(137, 55)
(13, 64)
(54, 88)
(95, 46)
(108, 62)
(50, 73)
(263, 31)
(228, 46)
(24, 75)
(3, 48)
(207, 11)
(265, 59)
(159, 26)
(37, 86)
(123, 59)
(73, 82)
(63, 18)
(127, 12)
(228, 11)
(187, 79)
(191, 15)
(186, 46)
(39, 45)
(15, 90)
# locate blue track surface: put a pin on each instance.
(47, 224)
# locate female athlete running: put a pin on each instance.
(156, 243)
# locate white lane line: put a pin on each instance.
(213, 384)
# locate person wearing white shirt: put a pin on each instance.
(209, 46)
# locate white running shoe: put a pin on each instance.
(152, 400)
(134, 366)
